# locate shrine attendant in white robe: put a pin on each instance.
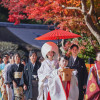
(60, 89)
(50, 53)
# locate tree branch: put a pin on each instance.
(91, 7)
(84, 7)
(77, 8)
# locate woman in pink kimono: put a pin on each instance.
(50, 53)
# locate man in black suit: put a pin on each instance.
(77, 63)
(30, 77)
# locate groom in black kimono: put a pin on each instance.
(30, 77)
(77, 63)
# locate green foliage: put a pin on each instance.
(3, 14)
(88, 46)
(7, 47)
(49, 22)
(3, 18)
(91, 47)
(32, 21)
(89, 51)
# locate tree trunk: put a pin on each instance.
(62, 42)
(92, 27)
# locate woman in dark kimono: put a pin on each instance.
(14, 78)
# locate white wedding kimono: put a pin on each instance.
(57, 91)
(54, 85)
(46, 69)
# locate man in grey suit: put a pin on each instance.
(77, 63)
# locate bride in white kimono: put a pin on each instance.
(50, 53)
(50, 84)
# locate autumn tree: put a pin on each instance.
(80, 15)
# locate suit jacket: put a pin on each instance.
(82, 74)
(29, 71)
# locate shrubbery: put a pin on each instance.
(8, 47)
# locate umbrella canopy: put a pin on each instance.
(57, 34)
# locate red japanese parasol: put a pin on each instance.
(57, 34)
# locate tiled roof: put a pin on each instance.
(28, 32)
